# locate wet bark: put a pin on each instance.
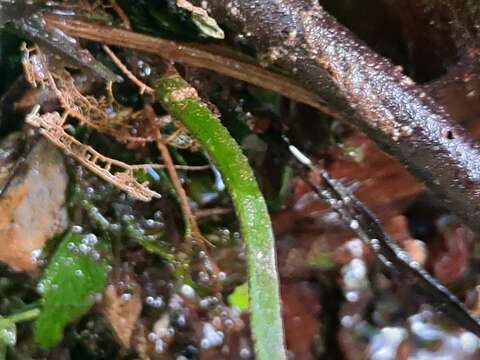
(366, 89)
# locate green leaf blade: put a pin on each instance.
(239, 297)
(76, 273)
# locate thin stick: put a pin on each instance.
(205, 213)
(143, 87)
(192, 231)
(201, 56)
(121, 14)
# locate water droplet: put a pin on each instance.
(245, 353)
(126, 297)
(222, 276)
(152, 336)
(36, 255)
(354, 225)
(78, 273)
(77, 229)
(187, 291)
(211, 337)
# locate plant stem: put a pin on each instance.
(183, 103)
(24, 316)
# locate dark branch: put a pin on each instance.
(365, 88)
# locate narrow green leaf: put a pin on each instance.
(239, 297)
(183, 103)
(76, 274)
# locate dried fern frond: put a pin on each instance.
(103, 115)
(99, 114)
(113, 171)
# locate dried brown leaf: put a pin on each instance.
(23, 228)
(122, 311)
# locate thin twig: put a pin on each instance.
(196, 55)
(143, 87)
(177, 167)
(121, 14)
(192, 231)
(205, 213)
(366, 226)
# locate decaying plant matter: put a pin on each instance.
(189, 98)
(50, 125)
(87, 110)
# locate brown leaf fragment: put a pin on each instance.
(379, 181)
(417, 250)
(475, 308)
(451, 252)
(122, 310)
(301, 312)
(23, 228)
(10, 149)
(397, 228)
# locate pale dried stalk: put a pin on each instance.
(205, 213)
(177, 167)
(196, 55)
